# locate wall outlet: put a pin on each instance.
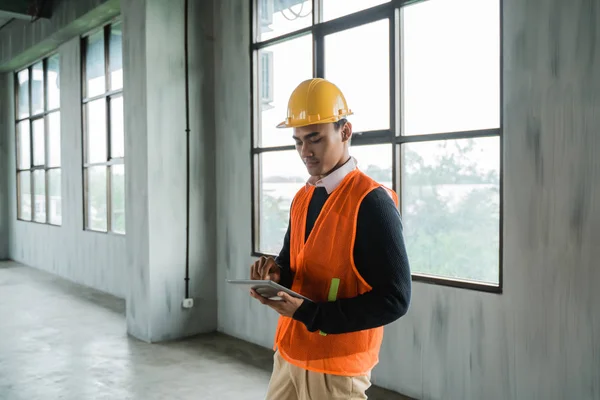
(188, 303)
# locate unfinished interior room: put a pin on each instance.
(299, 199)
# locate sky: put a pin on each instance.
(451, 82)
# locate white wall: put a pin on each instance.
(539, 338)
(94, 259)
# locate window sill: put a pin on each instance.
(437, 280)
(39, 223)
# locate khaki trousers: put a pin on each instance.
(289, 382)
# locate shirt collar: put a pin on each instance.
(333, 180)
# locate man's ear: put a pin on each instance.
(346, 132)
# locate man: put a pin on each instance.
(344, 250)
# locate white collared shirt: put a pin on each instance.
(333, 180)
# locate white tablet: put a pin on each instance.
(266, 288)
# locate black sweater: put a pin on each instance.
(380, 258)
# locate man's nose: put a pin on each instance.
(306, 151)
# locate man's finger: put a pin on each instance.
(265, 268)
(259, 267)
(264, 272)
(263, 261)
(258, 297)
(284, 296)
(276, 305)
(264, 299)
(254, 273)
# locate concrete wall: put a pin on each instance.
(147, 266)
(539, 338)
(94, 259)
(239, 314)
(4, 122)
(552, 198)
(156, 169)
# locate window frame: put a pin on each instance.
(393, 136)
(108, 95)
(30, 119)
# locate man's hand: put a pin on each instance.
(265, 268)
(287, 306)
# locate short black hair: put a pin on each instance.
(338, 125)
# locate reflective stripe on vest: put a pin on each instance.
(333, 291)
(324, 270)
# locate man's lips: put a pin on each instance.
(311, 163)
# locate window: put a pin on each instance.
(104, 132)
(37, 95)
(266, 69)
(423, 80)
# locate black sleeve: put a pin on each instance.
(283, 260)
(381, 259)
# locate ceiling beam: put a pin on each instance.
(26, 9)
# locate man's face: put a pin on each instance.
(321, 146)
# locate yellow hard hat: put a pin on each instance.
(315, 101)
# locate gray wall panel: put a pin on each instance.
(136, 174)
(157, 144)
(5, 119)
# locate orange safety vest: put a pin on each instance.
(324, 270)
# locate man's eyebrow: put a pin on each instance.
(310, 135)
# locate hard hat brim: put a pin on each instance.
(304, 122)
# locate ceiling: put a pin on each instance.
(4, 21)
(22, 9)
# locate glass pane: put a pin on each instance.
(95, 65)
(118, 198)
(282, 67)
(117, 133)
(96, 199)
(365, 81)
(55, 197)
(282, 174)
(23, 83)
(451, 207)
(53, 76)
(39, 188)
(24, 145)
(375, 161)
(39, 147)
(37, 89)
(96, 128)
(451, 66)
(338, 8)
(116, 57)
(54, 139)
(25, 195)
(278, 17)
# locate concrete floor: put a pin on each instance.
(59, 340)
